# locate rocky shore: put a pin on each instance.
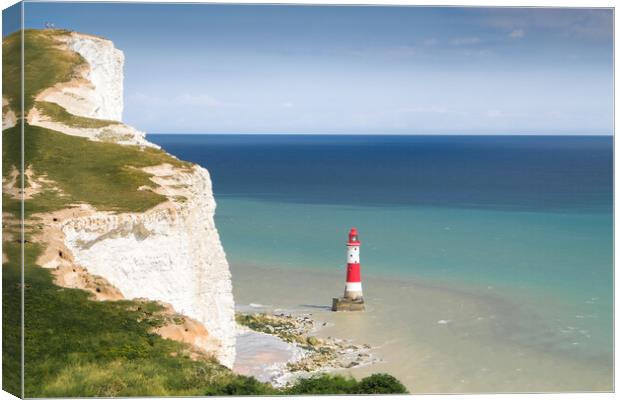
(316, 354)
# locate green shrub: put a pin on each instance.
(244, 385)
(324, 384)
(338, 384)
(380, 384)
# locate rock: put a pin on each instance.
(104, 99)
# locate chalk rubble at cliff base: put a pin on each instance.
(307, 353)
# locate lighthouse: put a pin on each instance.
(353, 299)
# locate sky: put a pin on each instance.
(200, 68)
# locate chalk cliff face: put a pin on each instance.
(106, 74)
(99, 94)
(170, 253)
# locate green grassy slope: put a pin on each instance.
(11, 295)
(78, 347)
(57, 113)
(105, 175)
(11, 323)
(44, 64)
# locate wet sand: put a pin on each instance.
(264, 356)
(435, 339)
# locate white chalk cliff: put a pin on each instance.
(100, 92)
(170, 253)
(96, 92)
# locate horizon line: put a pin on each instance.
(383, 134)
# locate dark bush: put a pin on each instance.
(246, 386)
(380, 384)
(324, 384)
(337, 384)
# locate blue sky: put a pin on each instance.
(335, 69)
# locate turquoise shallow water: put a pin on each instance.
(528, 219)
(557, 263)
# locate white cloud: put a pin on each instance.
(516, 34)
(430, 42)
(465, 41)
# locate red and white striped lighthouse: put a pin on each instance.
(352, 299)
(353, 287)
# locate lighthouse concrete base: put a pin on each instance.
(346, 304)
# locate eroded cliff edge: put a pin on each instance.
(169, 252)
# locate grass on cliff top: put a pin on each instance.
(44, 65)
(59, 114)
(105, 175)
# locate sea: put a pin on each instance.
(487, 261)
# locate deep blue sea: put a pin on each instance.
(515, 173)
(531, 215)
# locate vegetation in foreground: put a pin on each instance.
(337, 384)
(75, 346)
